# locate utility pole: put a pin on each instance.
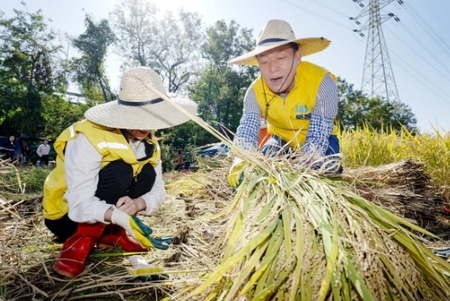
(378, 76)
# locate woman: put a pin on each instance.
(108, 169)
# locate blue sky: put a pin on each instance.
(418, 47)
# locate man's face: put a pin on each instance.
(278, 67)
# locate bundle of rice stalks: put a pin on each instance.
(294, 235)
(405, 189)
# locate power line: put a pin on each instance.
(427, 28)
(420, 79)
(329, 8)
(412, 49)
(431, 53)
(313, 13)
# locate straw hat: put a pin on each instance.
(277, 33)
(139, 107)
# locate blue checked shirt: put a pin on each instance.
(320, 126)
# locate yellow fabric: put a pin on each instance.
(289, 118)
(235, 173)
(110, 143)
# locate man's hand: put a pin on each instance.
(139, 230)
(235, 175)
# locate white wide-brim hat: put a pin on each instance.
(140, 107)
(276, 33)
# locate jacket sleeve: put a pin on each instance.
(82, 165)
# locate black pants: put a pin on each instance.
(44, 159)
(115, 181)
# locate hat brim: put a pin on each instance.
(156, 116)
(307, 46)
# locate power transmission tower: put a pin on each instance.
(378, 76)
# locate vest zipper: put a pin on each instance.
(284, 100)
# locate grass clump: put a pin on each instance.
(17, 181)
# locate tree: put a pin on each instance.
(89, 69)
(135, 25)
(169, 45)
(356, 110)
(28, 72)
(221, 87)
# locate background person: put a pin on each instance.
(180, 161)
(43, 151)
(9, 147)
(108, 169)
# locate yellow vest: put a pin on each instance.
(289, 118)
(110, 143)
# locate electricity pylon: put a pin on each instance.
(378, 76)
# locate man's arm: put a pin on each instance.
(247, 133)
(321, 124)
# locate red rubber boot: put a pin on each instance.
(76, 249)
(117, 236)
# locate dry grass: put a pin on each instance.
(195, 212)
(28, 251)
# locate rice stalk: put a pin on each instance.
(294, 235)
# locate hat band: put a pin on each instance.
(271, 40)
(139, 103)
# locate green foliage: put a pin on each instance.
(28, 71)
(28, 179)
(219, 91)
(58, 114)
(186, 137)
(221, 87)
(357, 110)
(34, 179)
(89, 69)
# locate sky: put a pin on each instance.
(418, 46)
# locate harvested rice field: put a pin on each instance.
(308, 238)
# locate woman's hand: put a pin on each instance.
(130, 206)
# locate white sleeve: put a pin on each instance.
(82, 164)
(157, 195)
(38, 151)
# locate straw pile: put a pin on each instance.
(200, 211)
(294, 235)
(405, 189)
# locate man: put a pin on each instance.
(9, 147)
(108, 169)
(43, 151)
(298, 99)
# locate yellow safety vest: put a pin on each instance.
(289, 118)
(110, 143)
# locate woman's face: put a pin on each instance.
(11, 138)
(138, 134)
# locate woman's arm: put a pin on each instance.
(82, 165)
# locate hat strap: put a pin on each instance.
(139, 103)
(271, 40)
